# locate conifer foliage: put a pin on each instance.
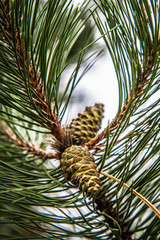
(59, 182)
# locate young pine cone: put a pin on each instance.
(79, 167)
(87, 124)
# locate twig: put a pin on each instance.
(10, 135)
(149, 204)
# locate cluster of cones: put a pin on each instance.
(77, 162)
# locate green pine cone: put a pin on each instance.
(79, 167)
(86, 126)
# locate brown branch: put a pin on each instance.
(53, 123)
(106, 207)
(143, 80)
(10, 135)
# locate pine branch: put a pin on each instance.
(147, 68)
(39, 98)
(29, 185)
(103, 203)
(29, 148)
(142, 81)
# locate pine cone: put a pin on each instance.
(79, 167)
(87, 124)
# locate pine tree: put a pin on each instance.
(74, 182)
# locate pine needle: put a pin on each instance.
(149, 204)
